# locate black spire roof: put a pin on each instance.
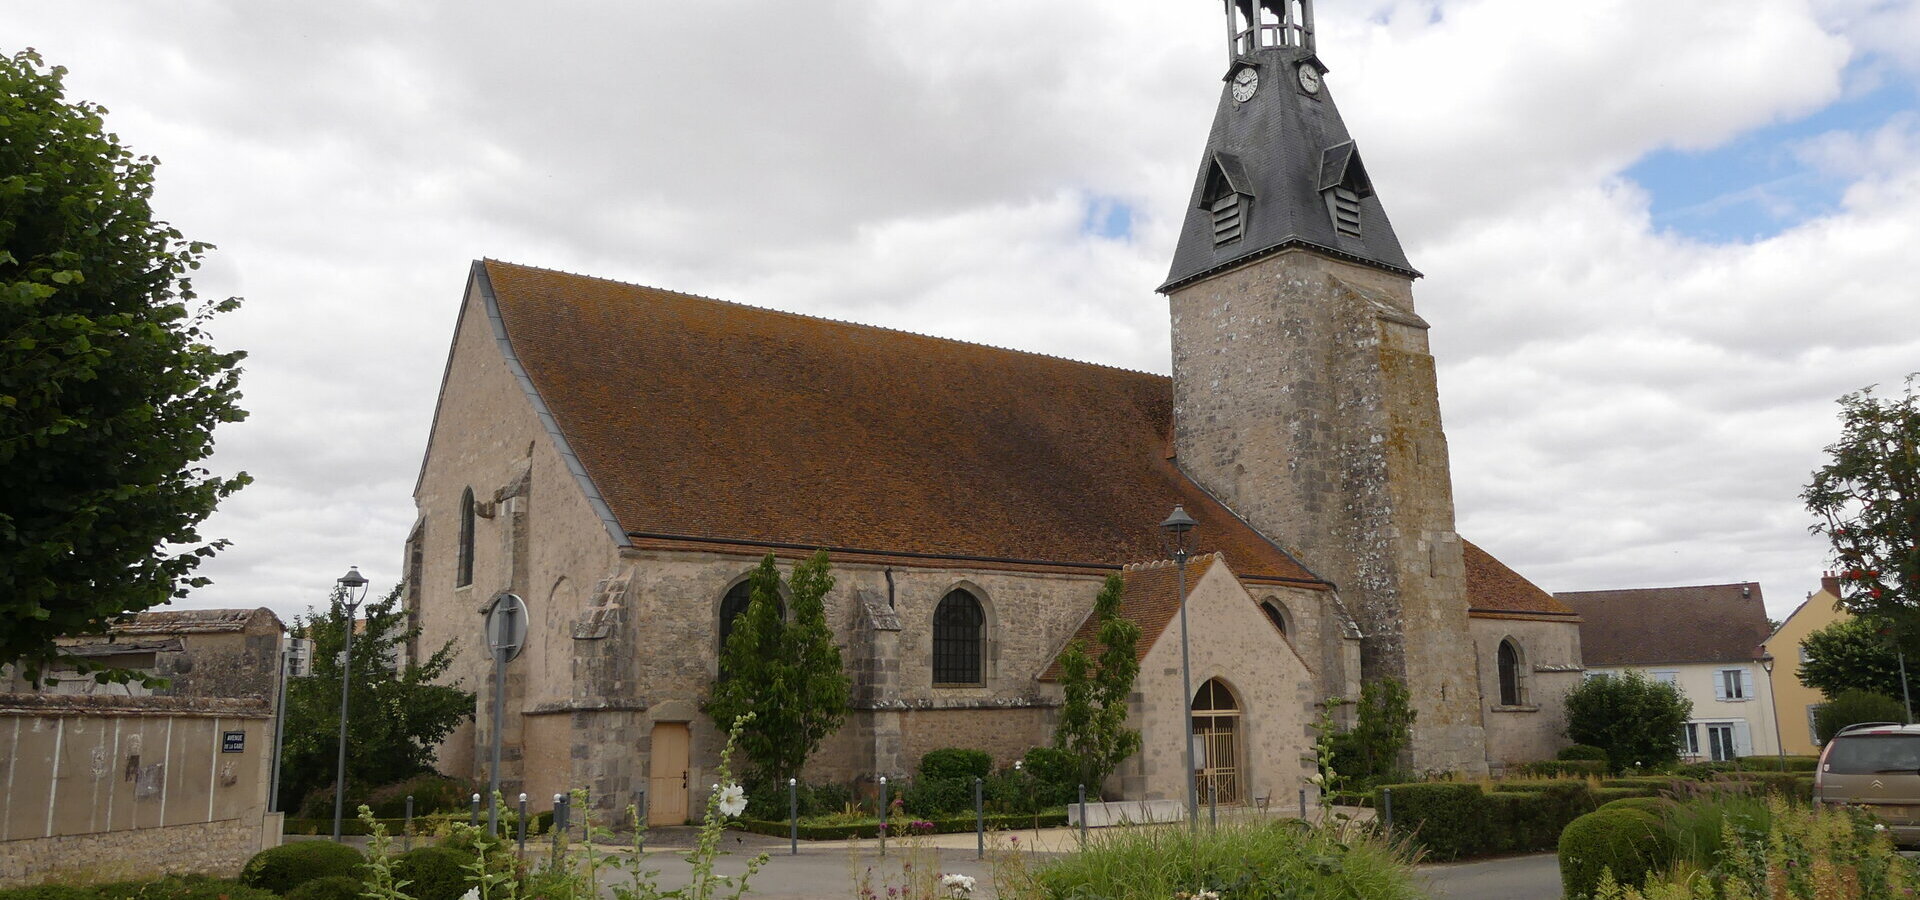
(1280, 169)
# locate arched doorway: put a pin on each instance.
(1216, 738)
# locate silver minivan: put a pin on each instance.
(1876, 767)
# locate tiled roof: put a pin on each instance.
(1150, 600)
(1492, 588)
(187, 621)
(705, 421)
(1716, 623)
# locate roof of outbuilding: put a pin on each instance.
(1494, 589)
(703, 422)
(1150, 600)
(1714, 623)
(190, 621)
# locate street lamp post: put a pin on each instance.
(353, 589)
(1178, 526)
(1773, 701)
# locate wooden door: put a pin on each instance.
(667, 775)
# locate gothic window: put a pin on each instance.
(1512, 680)
(959, 640)
(463, 564)
(1276, 614)
(1216, 738)
(734, 605)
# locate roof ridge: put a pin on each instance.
(1673, 587)
(1168, 563)
(847, 322)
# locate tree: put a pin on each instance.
(787, 673)
(1383, 726)
(1852, 708)
(1867, 500)
(1854, 654)
(396, 714)
(1093, 718)
(1637, 720)
(109, 387)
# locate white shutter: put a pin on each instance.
(1742, 739)
(1746, 685)
(1720, 685)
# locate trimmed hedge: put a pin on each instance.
(898, 827)
(1447, 819)
(1583, 751)
(181, 887)
(1772, 763)
(1607, 795)
(348, 826)
(283, 868)
(1631, 843)
(956, 763)
(332, 887)
(1658, 806)
(1563, 767)
(49, 892)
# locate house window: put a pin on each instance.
(1512, 681)
(1690, 740)
(1733, 684)
(463, 559)
(1804, 658)
(1665, 676)
(1813, 732)
(959, 640)
(1720, 742)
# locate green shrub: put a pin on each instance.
(352, 826)
(1663, 785)
(49, 892)
(283, 868)
(1630, 843)
(432, 793)
(1698, 825)
(1772, 763)
(1263, 860)
(1521, 822)
(934, 797)
(1660, 807)
(1852, 708)
(1446, 819)
(182, 887)
(1555, 768)
(1583, 751)
(1607, 795)
(332, 887)
(1055, 774)
(433, 873)
(956, 763)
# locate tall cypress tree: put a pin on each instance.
(785, 670)
(1093, 717)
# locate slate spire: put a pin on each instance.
(1280, 169)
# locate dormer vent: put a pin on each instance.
(1227, 198)
(1344, 183)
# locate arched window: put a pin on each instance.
(734, 605)
(463, 565)
(1512, 681)
(959, 640)
(1276, 614)
(1216, 734)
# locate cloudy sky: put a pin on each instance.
(1660, 238)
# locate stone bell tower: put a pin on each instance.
(1304, 392)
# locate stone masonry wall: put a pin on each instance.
(208, 848)
(1550, 668)
(1304, 398)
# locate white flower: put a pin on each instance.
(1204, 894)
(473, 893)
(1879, 827)
(733, 800)
(957, 885)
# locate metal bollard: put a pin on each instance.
(1213, 805)
(474, 818)
(979, 820)
(406, 833)
(1386, 808)
(1083, 817)
(523, 823)
(1303, 804)
(559, 815)
(793, 813)
(883, 815)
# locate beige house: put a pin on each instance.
(1705, 640)
(1794, 702)
(620, 456)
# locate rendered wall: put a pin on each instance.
(1534, 729)
(1793, 702)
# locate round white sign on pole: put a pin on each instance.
(507, 624)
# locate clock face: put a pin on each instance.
(1310, 79)
(1244, 84)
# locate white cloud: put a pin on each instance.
(1625, 406)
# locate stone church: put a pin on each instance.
(621, 456)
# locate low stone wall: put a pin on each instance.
(210, 848)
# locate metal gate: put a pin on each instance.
(1216, 731)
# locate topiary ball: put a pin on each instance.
(283, 868)
(1658, 807)
(1631, 843)
(434, 873)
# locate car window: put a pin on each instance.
(1863, 754)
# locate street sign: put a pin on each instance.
(233, 742)
(507, 624)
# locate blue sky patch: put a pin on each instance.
(1109, 218)
(1754, 186)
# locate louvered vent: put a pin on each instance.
(1346, 210)
(1229, 218)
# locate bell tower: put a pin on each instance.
(1304, 392)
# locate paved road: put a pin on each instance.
(1532, 877)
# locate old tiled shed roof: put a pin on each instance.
(704, 421)
(1495, 591)
(1149, 600)
(1716, 623)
